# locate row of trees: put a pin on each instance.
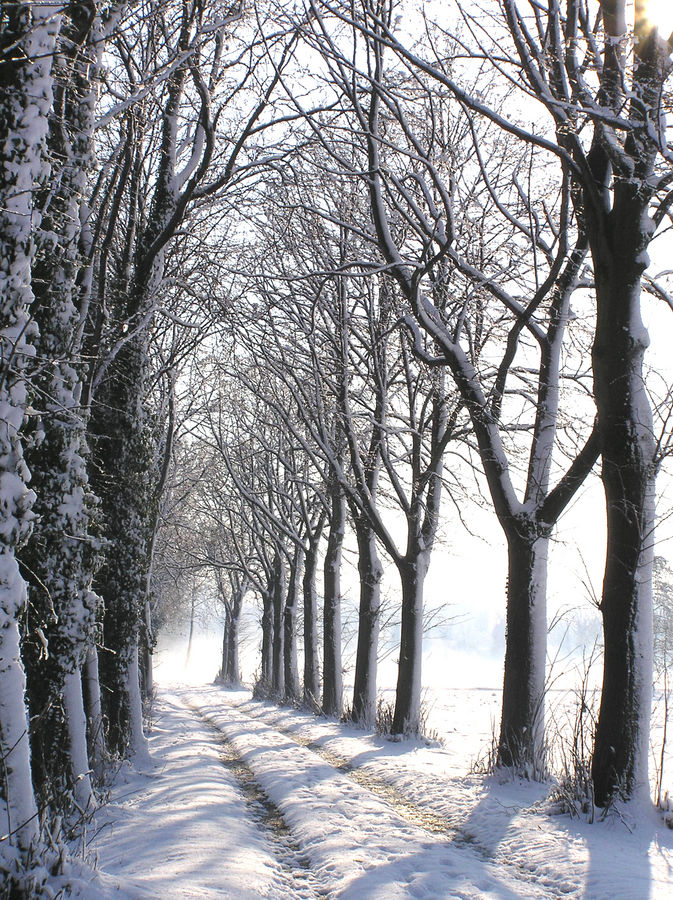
(420, 257)
(119, 123)
(339, 256)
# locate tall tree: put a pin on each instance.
(601, 82)
(27, 42)
(458, 229)
(59, 559)
(162, 172)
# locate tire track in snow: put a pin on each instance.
(428, 820)
(295, 867)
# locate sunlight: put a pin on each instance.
(660, 13)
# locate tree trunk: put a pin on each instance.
(267, 638)
(137, 742)
(148, 653)
(407, 717)
(521, 739)
(627, 446)
(233, 674)
(332, 693)
(94, 713)
(292, 690)
(278, 598)
(371, 571)
(124, 706)
(311, 674)
(19, 815)
(79, 760)
(121, 478)
(27, 41)
(224, 667)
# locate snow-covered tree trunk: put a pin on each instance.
(94, 711)
(122, 450)
(366, 659)
(230, 671)
(332, 689)
(292, 687)
(147, 649)
(137, 742)
(61, 554)
(310, 594)
(522, 722)
(278, 602)
(27, 44)
(224, 666)
(233, 669)
(267, 637)
(628, 472)
(407, 717)
(78, 754)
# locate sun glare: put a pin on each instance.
(660, 13)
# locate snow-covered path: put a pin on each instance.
(358, 845)
(189, 828)
(249, 800)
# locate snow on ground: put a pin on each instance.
(248, 800)
(184, 828)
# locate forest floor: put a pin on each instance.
(246, 800)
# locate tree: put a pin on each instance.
(27, 41)
(461, 235)
(230, 673)
(622, 198)
(176, 67)
(60, 557)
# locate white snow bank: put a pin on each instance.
(359, 846)
(518, 848)
(185, 829)
(179, 830)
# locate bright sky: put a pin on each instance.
(661, 13)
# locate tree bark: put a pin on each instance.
(311, 673)
(27, 41)
(78, 754)
(332, 699)
(137, 742)
(224, 666)
(233, 676)
(94, 712)
(147, 670)
(522, 723)
(278, 599)
(267, 637)
(407, 717)
(366, 661)
(627, 447)
(292, 689)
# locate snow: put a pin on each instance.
(345, 814)
(76, 721)
(176, 829)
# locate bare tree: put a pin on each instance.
(515, 280)
(185, 128)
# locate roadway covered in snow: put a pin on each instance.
(245, 800)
